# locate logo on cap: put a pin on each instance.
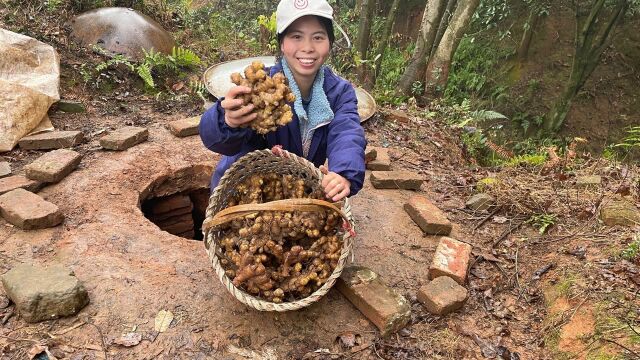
(301, 4)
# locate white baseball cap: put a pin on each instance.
(289, 11)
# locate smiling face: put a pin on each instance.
(305, 46)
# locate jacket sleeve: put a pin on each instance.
(219, 137)
(346, 141)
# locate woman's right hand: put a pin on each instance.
(235, 114)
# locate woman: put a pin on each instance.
(325, 124)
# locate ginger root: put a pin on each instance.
(269, 95)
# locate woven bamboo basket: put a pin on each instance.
(283, 163)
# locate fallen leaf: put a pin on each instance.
(178, 86)
(500, 219)
(163, 320)
(130, 339)
(348, 339)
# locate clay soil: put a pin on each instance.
(530, 298)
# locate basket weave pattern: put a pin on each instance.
(257, 162)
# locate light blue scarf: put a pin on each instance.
(318, 112)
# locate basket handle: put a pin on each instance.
(238, 211)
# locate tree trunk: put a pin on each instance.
(525, 42)
(364, 35)
(442, 26)
(439, 64)
(591, 41)
(384, 42)
(417, 65)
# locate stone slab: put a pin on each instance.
(619, 212)
(442, 295)
(397, 115)
(18, 182)
(382, 162)
(427, 216)
(588, 181)
(185, 127)
(51, 140)
(451, 259)
(53, 166)
(403, 179)
(480, 202)
(383, 306)
(5, 169)
(124, 138)
(27, 210)
(44, 293)
(370, 153)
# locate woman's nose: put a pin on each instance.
(307, 46)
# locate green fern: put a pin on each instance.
(632, 140)
(182, 57)
(483, 115)
(144, 71)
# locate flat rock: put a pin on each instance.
(44, 293)
(406, 180)
(382, 305)
(451, 259)
(51, 140)
(18, 182)
(370, 153)
(124, 138)
(53, 166)
(427, 216)
(588, 181)
(27, 210)
(382, 162)
(480, 202)
(397, 115)
(70, 106)
(619, 212)
(185, 127)
(442, 295)
(5, 169)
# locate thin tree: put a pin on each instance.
(592, 38)
(364, 34)
(424, 43)
(384, 41)
(439, 63)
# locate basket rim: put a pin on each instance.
(212, 247)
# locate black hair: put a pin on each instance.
(326, 23)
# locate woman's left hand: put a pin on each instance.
(335, 186)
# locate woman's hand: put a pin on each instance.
(235, 114)
(335, 186)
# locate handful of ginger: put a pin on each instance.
(269, 95)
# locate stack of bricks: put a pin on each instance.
(173, 214)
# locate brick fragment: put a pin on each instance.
(51, 140)
(397, 115)
(407, 180)
(370, 153)
(451, 259)
(18, 182)
(185, 127)
(124, 138)
(27, 210)
(442, 295)
(382, 305)
(5, 169)
(428, 217)
(382, 162)
(53, 166)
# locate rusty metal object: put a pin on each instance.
(121, 31)
(218, 82)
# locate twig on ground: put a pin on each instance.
(484, 220)
(622, 346)
(507, 233)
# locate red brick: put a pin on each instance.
(124, 138)
(430, 219)
(442, 295)
(382, 162)
(18, 182)
(171, 203)
(396, 180)
(185, 127)
(51, 140)
(53, 166)
(451, 259)
(27, 210)
(382, 305)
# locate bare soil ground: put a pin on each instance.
(529, 293)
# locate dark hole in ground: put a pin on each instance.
(177, 203)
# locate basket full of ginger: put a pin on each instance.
(274, 242)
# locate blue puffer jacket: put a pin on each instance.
(342, 141)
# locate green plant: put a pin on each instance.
(527, 160)
(632, 251)
(268, 31)
(542, 221)
(52, 5)
(631, 140)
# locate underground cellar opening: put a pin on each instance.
(177, 202)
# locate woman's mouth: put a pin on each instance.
(307, 62)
